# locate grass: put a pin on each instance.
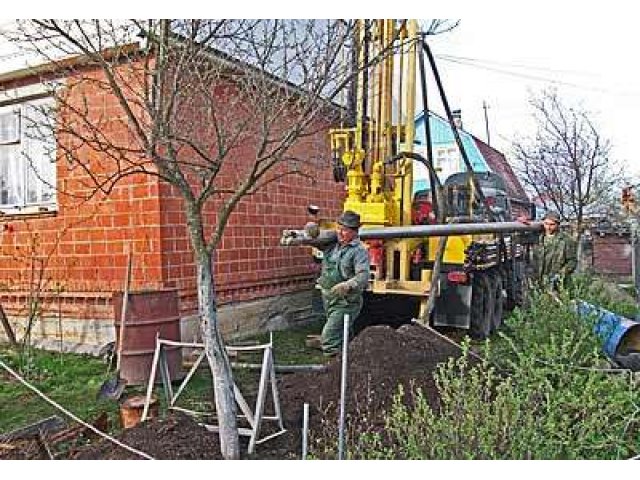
(73, 381)
(289, 346)
(70, 380)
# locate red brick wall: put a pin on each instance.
(612, 255)
(249, 262)
(84, 242)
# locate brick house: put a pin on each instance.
(74, 250)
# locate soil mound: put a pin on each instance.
(380, 359)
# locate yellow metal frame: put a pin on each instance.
(380, 191)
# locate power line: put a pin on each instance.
(12, 55)
(538, 78)
(516, 65)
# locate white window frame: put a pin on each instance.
(23, 180)
(447, 160)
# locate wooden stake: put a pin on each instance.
(125, 303)
(7, 327)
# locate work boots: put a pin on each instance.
(314, 341)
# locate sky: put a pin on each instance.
(500, 54)
(501, 62)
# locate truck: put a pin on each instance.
(452, 247)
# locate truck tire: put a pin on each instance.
(510, 285)
(516, 287)
(497, 288)
(481, 307)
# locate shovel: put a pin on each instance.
(113, 387)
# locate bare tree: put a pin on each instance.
(193, 97)
(436, 26)
(567, 162)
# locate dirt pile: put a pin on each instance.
(176, 437)
(380, 358)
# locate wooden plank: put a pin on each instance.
(47, 425)
(267, 365)
(7, 327)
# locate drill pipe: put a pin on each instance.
(300, 237)
(419, 231)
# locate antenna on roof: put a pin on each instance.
(486, 121)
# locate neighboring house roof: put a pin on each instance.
(499, 164)
(441, 134)
(483, 157)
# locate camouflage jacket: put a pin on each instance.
(554, 255)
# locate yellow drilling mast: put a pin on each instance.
(466, 262)
(385, 113)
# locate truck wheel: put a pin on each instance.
(516, 287)
(522, 288)
(497, 286)
(481, 307)
(510, 284)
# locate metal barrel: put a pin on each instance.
(149, 314)
(617, 333)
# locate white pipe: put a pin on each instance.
(305, 430)
(343, 387)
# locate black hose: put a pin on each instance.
(439, 199)
(456, 134)
(433, 177)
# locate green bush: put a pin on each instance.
(537, 412)
(544, 391)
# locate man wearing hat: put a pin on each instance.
(344, 277)
(555, 255)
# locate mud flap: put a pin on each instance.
(453, 306)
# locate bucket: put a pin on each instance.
(149, 314)
(619, 334)
(131, 410)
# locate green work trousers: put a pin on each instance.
(335, 309)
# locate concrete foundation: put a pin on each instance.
(237, 321)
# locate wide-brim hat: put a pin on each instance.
(350, 220)
(554, 216)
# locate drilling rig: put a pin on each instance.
(453, 247)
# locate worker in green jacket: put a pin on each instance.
(555, 255)
(343, 279)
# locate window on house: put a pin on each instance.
(447, 160)
(27, 157)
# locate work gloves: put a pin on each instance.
(300, 237)
(291, 237)
(342, 289)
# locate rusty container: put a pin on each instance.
(149, 314)
(131, 410)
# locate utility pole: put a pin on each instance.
(486, 121)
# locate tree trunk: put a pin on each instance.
(226, 409)
(218, 360)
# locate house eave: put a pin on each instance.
(58, 66)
